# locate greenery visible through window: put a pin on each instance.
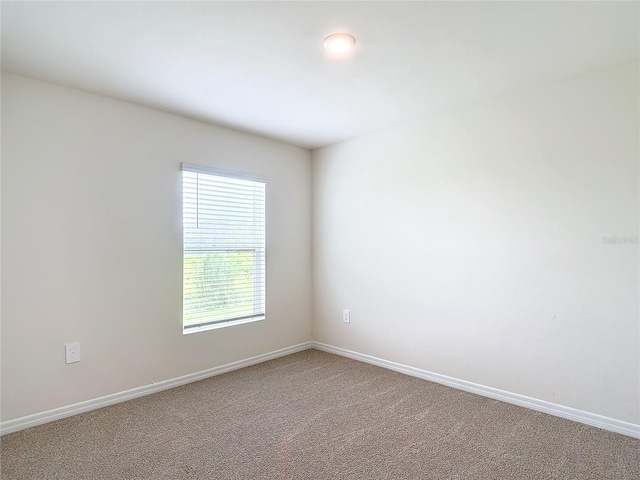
(224, 251)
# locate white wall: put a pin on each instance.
(92, 245)
(471, 244)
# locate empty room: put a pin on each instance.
(320, 240)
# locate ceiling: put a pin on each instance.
(259, 67)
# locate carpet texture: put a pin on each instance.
(314, 415)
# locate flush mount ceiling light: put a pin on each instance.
(339, 43)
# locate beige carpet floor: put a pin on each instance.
(313, 415)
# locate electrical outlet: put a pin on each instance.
(346, 316)
(73, 352)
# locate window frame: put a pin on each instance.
(226, 322)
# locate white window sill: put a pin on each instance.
(215, 326)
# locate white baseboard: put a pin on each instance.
(595, 420)
(21, 423)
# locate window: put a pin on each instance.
(224, 249)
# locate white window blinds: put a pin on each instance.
(224, 249)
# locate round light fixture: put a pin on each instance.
(339, 43)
